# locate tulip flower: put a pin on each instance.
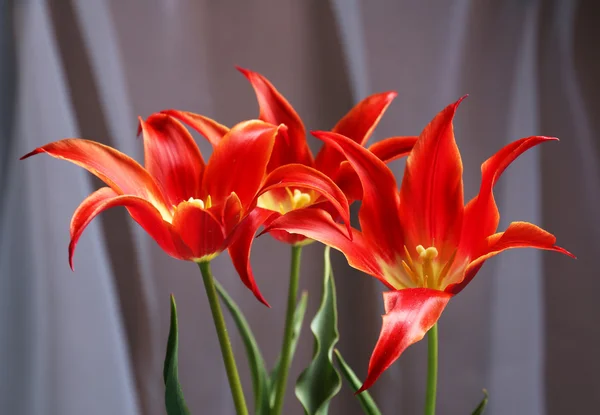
(422, 242)
(189, 207)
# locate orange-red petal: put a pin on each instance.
(517, 235)
(386, 150)
(232, 213)
(275, 109)
(240, 245)
(238, 164)
(317, 224)
(358, 125)
(119, 171)
(172, 158)
(410, 313)
(301, 176)
(378, 214)
(481, 213)
(140, 209)
(199, 230)
(207, 127)
(431, 193)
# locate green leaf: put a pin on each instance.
(297, 327)
(366, 401)
(255, 359)
(174, 401)
(320, 381)
(481, 407)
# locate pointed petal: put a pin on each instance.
(172, 158)
(119, 171)
(481, 214)
(386, 150)
(378, 214)
(239, 162)
(357, 125)
(318, 225)
(140, 209)
(199, 230)
(517, 235)
(301, 176)
(275, 109)
(240, 245)
(431, 194)
(410, 313)
(208, 128)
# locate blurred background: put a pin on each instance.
(92, 341)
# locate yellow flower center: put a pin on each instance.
(292, 200)
(425, 270)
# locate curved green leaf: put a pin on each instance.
(174, 401)
(320, 381)
(366, 401)
(481, 407)
(255, 359)
(297, 327)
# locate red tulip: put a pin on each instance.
(421, 241)
(189, 208)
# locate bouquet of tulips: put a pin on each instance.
(419, 239)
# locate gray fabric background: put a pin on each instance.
(92, 342)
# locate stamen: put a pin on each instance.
(409, 258)
(208, 202)
(410, 273)
(447, 267)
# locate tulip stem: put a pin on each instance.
(288, 334)
(232, 373)
(432, 370)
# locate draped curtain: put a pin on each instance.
(92, 341)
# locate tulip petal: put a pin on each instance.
(240, 245)
(358, 125)
(410, 313)
(378, 214)
(239, 162)
(317, 224)
(481, 214)
(140, 209)
(517, 235)
(301, 176)
(119, 171)
(199, 230)
(232, 213)
(275, 109)
(386, 150)
(172, 158)
(431, 193)
(208, 128)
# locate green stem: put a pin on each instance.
(232, 373)
(286, 349)
(432, 369)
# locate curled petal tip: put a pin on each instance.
(246, 72)
(32, 153)
(391, 95)
(461, 99)
(71, 252)
(563, 251)
(140, 123)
